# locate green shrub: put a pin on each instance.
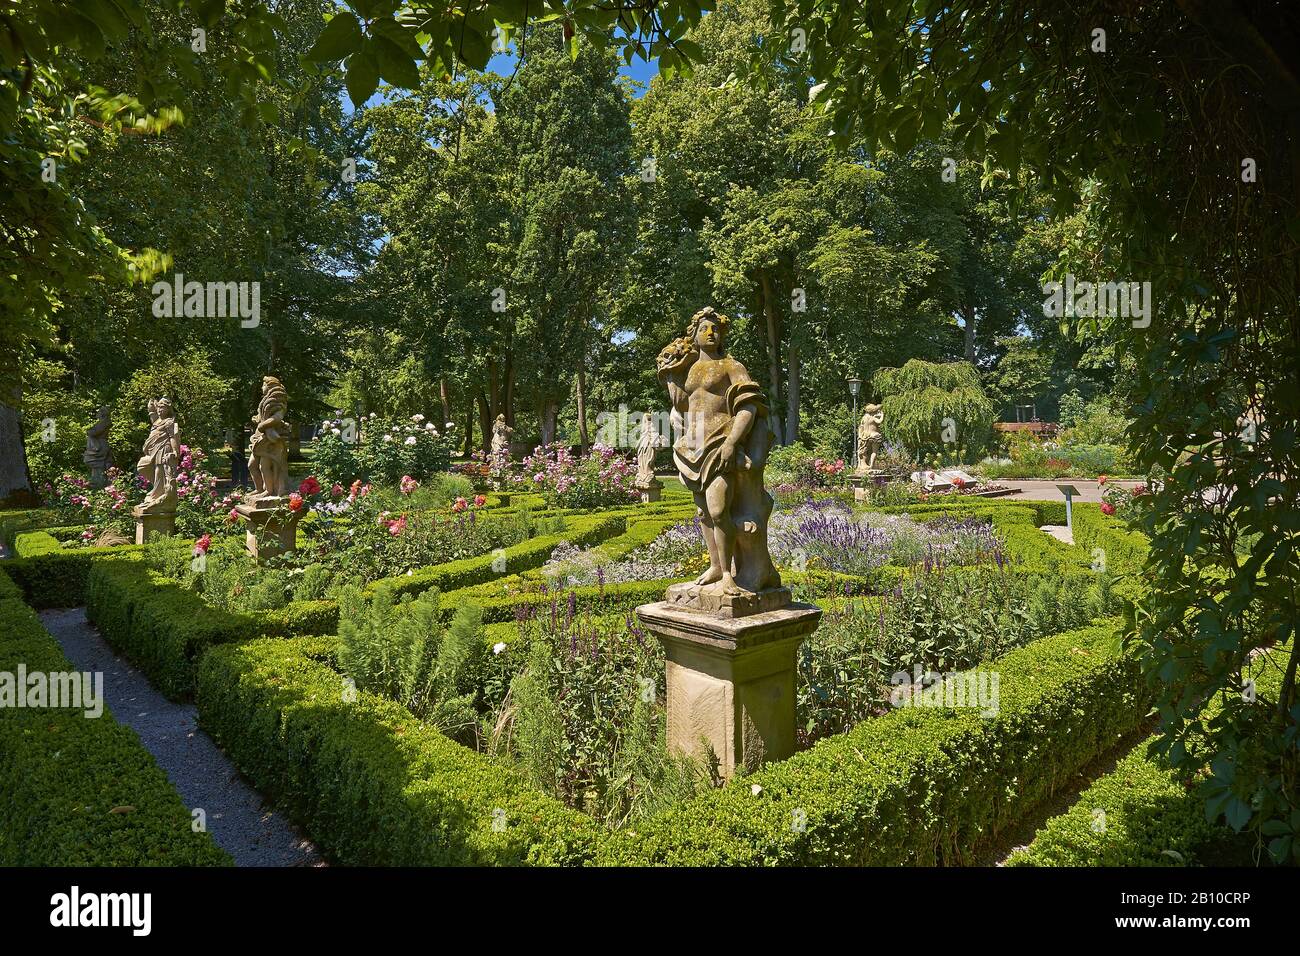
(159, 626)
(67, 778)
(370, 783)
(917, 786)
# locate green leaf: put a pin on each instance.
(341, 37)
(394, 64)
(362, 77)
(209, 11)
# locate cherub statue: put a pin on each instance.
(161, 455)
(869, 438)
(268, 451)
(721, 453)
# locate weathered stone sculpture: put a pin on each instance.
(650, 442)
(158, 463)
(98, 456)
(869, 439)
(272, 520)
(501, 433)
(268, 452)
(731, 636)
(720, 458)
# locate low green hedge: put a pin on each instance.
(1142, 813)
(51, 575)
(370, 783)
(160, 626)
(1139, 814)
(1125, 551)
(64, 774)
(917, 786)
(14, 522)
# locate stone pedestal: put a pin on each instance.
(97, 477)
(152, 524)
(271, 530)
(651, 490)
(731, 679)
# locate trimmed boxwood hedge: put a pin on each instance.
(1153, 817)
(373, 785)
(917, 786)
(65, 773)
(51, 575)
(160, 626)
(370, 783)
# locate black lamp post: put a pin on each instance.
(855, 386)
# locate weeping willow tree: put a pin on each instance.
(938, 411)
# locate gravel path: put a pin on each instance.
(239, 821)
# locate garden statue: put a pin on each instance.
(98, 456)
(158, 463)
(501, 433)
(869, 439)
(730, 637)
(721, 454)
(650, 442)
(272, 521)
(161, 455)
(268, 452)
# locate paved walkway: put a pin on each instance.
(237, 818)
(1037, 490)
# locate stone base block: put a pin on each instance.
(731, 682)
(706, 599)
(650, 492)
(152, 524)
(270, 533)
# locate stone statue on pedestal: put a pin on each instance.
(869, 438)
(159, 460)
(501, 433)
(98, 456)
(268, 452)
(731, 637)
(650, 442)
(720, 458)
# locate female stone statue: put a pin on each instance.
(158, 464)
(97, 455)
(649, 443)
(268, 452)
(721, 453)
(869, 438)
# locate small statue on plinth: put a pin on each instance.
(268, 452)
(158, 464)
(870, 439)
(272, 522)
(501, 433)
(98, 456)
(649, 443)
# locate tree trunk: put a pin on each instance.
(510, 391)
(549, 410)
(485, 420)
(582, 407)
(792, 395)
(494, 390)
(969, 334)
(467, 446)
(15, 479)
(773, 354)
(446, 403)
